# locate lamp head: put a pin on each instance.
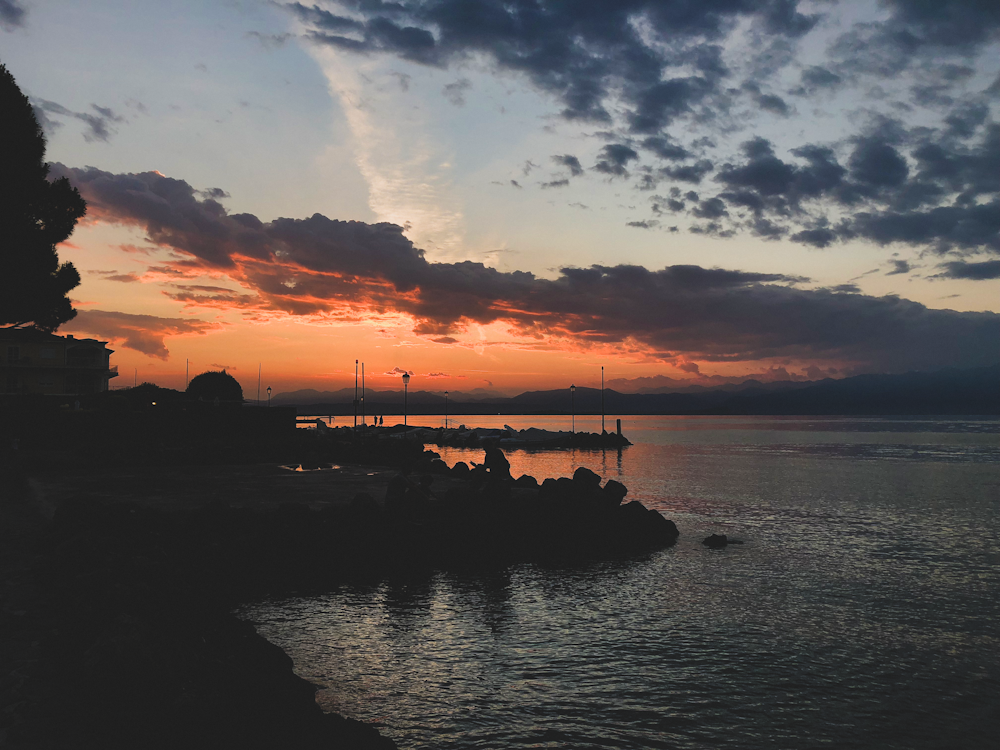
(572, 389)
(406, 378)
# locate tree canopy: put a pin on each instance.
(35, 216)
(215, 384)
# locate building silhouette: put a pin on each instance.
(34, 362)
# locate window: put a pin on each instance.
(48, 353)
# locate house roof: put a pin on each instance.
(34, 336)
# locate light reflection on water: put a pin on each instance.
(862, 611)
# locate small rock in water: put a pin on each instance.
(716, 541)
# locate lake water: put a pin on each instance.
(863, 610)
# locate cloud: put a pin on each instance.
(646, 224)
(948, 200)
(455, 92)
(143, 333)
(99, 126)
(115, 276)
(571, 163)
(899, 267)
(12, 15)
(613, 158)
(397, 371)
(918, 32)
(319, 265)
(693, 173)
(665, 148)
(960, 269)
(269, 41)
(649, 73)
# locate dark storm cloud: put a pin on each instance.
(321, 265)
(12, 14)
(100, 123)
(960, 269)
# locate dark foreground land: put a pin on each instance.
(119, 583)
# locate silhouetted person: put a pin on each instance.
(496, 463)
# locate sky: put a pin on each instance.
(512, 195)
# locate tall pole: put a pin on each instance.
(406, 382)
(602, 399)
(187, 373)
(355, 395)
(364, 419)
(446, 410)
(135, 376)
(258, 384)
(572, 400)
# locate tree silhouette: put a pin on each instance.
(213, 385)
(35, 216)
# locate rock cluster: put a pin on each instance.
(136, 645)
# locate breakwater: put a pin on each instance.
(136, 643)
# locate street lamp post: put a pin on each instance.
(602, 399)
(406, 382)
(572, 400)
(269, 397)
(446, 410)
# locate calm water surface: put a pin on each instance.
(863, 610)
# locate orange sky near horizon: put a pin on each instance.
(318, 351)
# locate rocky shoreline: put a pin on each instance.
(121, 632)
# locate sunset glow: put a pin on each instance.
(267, 190)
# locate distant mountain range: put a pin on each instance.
(951, 391)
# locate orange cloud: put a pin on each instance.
(144, 333)
(320, 267)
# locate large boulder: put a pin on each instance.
(613, 493)
(527, 481)
(585, 478)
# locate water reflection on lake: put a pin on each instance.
(861, 612)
